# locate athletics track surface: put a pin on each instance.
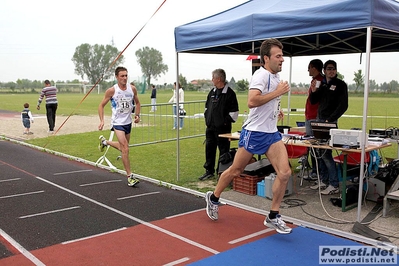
(56, 211)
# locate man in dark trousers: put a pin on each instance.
(50, 93)
(221, 110)
(315, 69)
(153, 99)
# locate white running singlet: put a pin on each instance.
(264, 118)
(122, 106)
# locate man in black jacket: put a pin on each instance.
(333, 98)
(221, 110)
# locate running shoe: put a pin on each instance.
(132, 181)
(321, 185)
(101, 145)
(278, 224)
(330, 190)
(212, 208)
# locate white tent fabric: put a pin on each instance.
(305, 27)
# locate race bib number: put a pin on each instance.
(124, 105)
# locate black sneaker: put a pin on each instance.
(205, 176)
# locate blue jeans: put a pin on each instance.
(309, 132)
(175, 109)
(327, 167)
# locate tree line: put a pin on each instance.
(92, 64)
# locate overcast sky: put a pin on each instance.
(38, 39)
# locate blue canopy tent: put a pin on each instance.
(305, 27)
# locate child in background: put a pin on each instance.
(27, 118)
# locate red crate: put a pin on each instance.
(246, 184)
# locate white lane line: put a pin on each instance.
(182, 214)
(99, 183)
(176, 262)
(21, 249)
(93, 236)
(250, 236)
(12, 179)
(140, 195)
(72, 172)
(49, 212)
(22, 194)
(155, 227)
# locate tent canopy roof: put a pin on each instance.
(305, 27)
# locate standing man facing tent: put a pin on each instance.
(333, 98)
(221, 110)
(259, 134)
(315, 69)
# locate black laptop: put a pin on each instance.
(321, 131)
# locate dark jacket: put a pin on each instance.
(221, 108)
(332, 98)
(154, 93)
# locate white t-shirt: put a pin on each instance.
(264, 118)
(122, 106)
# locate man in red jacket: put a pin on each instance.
(315, 69)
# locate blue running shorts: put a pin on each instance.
(257, 142)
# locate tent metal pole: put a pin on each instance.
(289, 94)
(364, 125)
(176, 91)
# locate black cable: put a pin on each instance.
(293, 203)
(325, 220)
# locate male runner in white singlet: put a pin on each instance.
(259, 134)
(123, 97)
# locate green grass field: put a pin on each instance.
(159, 160)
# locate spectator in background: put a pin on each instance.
(333, 98)
(50, 92)
(315, 69)
(221, 110)
(177, 94)
(153, 99)
(27, 118)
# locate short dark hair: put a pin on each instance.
(317, 63)
(266, 46)
(119, 69)
(47, 82)
(330, 62)
(26, 105)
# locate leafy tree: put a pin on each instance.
(182, 81)
(393, 86)
(232, 83)
(373, 86)
(385, 87)
(358, 79)
(93, 61)
(340, 76)
(151, 63)
(242, 85)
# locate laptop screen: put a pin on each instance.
(321, 130)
